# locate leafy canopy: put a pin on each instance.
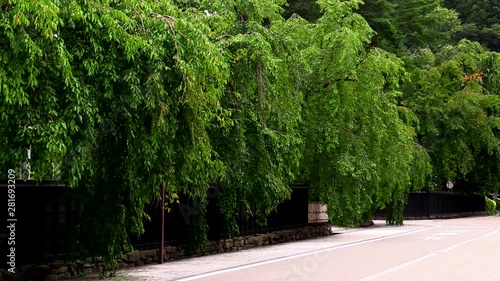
(454, 95)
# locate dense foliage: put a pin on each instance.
(409, 24)
(480, 21)
(362, 101)
(453, 93)
(120, 97)
(359, 153)
(261, 146)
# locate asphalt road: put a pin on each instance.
(457, 249)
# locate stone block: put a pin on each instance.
(253, 240)
(210, 246)
(88, 270)
(64, 275)
(52, 277)
(133, 257)
(148, 253)
(41, 269)
(56, 265)
(181, 252)
(63, 269)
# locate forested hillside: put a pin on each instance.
(363, 101)
(480, 21)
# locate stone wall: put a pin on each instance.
(70, 270)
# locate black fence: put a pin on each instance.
(290, 214)
(441, 204)
(43, 220)
(40, 220)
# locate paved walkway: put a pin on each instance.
(188, 268)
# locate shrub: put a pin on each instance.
(490, 206)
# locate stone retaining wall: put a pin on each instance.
(69, 270)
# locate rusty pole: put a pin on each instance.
(162, 239)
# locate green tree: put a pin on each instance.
(126, 96)
(409, 24)
(260, 146)
(453, 93)
(120, 96)
(380, 16)
(481, 21)
(358, 152)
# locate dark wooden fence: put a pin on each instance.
(441, 204)
(44, 219)
(290, 214)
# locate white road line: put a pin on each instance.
(441, 235)
(466, 242)
(472, 226)
(412, 262)
(427, 238)
(217, 272)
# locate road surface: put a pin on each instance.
(457, 249)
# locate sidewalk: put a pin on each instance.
(191, 269)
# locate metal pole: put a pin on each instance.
(162, 239)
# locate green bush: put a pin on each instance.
(490, 206)
(498, 205)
